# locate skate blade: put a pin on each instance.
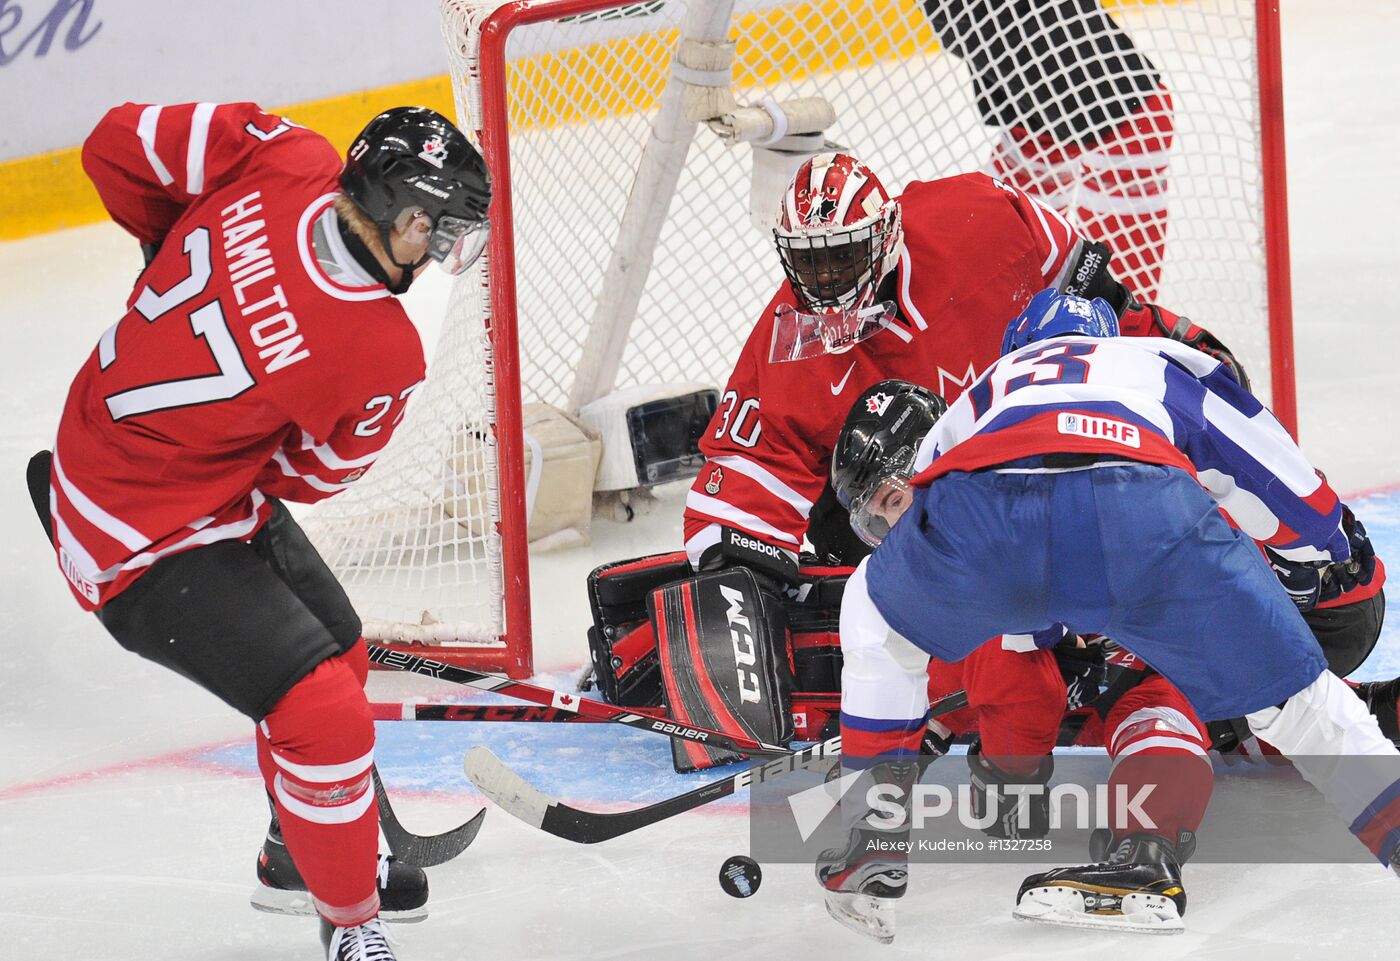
(1065, 907)
(297, 904)
(862, 914)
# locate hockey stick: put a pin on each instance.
(410, 711)
(520, 799)
(424, 851)
(572, 703)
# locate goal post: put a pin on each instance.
(622, 252)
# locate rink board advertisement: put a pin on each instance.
(1261, 811)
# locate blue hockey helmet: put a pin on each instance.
(1053, 314)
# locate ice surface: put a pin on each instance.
(130, 810)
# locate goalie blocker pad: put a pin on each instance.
(722, 649)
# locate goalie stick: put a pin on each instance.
(423, 850)
(522, 800)
(572, 703)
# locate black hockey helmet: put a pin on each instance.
(412, 159)
(875, 450)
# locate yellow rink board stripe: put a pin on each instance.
(49, 191)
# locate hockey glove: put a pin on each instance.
(1180, 329)
(937, 740)
(1019, 807)
(1301, 579)
(1084, 671)
(1358, 569)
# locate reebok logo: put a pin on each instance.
(748, 543)
(1089, 264)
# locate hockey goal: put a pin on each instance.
(622, 249)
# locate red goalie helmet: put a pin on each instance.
(838, 234)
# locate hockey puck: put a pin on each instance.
(740, 876)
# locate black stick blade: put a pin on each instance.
(424, 851)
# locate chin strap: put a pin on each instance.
(370, 263)
(406, 271)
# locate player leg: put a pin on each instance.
(282, 888)
(1019, 694)
(243, 634)
(1238, 646)
(884, 703)
(1135, 884)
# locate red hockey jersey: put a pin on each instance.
(255, 358)
(975, 251)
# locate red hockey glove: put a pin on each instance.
(1153, 321)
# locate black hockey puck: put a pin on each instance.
(740, 876)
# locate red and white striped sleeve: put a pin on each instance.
(150, 161)
(755, 478)
(307, 469)
(1054, 238)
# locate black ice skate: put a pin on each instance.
(363, 942)
(1138, 888)
(1381, 699)
(403, 887)
(862, 883)
(863, 880)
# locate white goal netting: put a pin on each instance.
(1140, 121)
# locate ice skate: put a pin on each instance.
(403, 887)
(361, 942)
(862, 883)
(1138, 888)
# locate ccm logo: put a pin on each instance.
(666, 728)
(741, 634)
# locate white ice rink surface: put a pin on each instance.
(130, 814)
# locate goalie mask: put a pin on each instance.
(874, 458)
(411, 162)
(838, 235)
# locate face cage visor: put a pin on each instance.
(456, 243)
(870, 513)
(835, 269)
(798, 335)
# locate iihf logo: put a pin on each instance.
(1071, 424)
(716, 478)
(877, 404)
(434, 151)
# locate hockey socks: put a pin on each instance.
(315, 749)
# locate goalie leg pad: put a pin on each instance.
(621, 641)
(723, 658)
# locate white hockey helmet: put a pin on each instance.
(838, 234)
